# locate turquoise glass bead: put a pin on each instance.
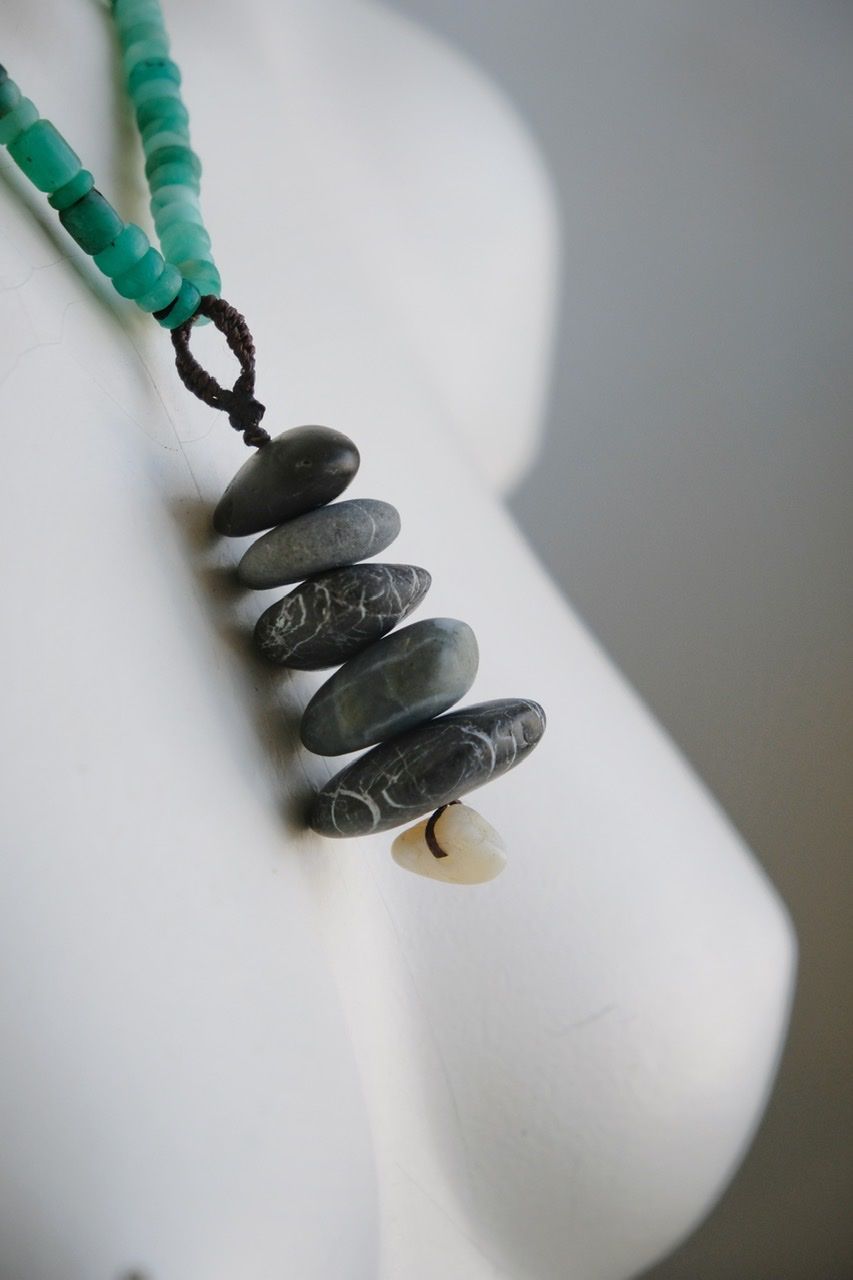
(178, 173)
(140, 31)
(151, 90)
(169, 193)
(80, 185)
(202, 273)
(129, 246)
(180, 154)
(183, 308)
(168, 109)
(141, 277)
(159, 137)
(92, 221)
(17, 120)
(44, 156)
(178, 213)
(184, 240)
(10, 96)
(155, 67)
(142, 51)
(165, 290)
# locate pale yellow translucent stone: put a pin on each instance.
(475, 851)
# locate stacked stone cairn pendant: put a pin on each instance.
(393, 689)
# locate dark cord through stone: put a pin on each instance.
(244, 411)
(429, 834)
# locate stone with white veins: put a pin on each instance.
(456, 845)
(396, 683)
(417, 771)
(327, 538)
(330, 618)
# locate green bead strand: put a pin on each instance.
(168, 108)
(155, 67)
(184, 240)
(44, 156)
(92, 221)
(80, 185)
(10, 95)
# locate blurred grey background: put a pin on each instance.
(694, 496)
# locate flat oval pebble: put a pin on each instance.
(426, 767)
(296, 472)
(334, 616)
(465, 849)
(318, 541)
(398, 682)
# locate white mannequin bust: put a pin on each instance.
(233, 1049)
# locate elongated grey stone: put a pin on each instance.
(297, 471)
(334, 616)
(426, 767)
(398, 682)
(320, 540)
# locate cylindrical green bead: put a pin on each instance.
(141, 277)
(10, 96)
(92, 221)
(44, 156)
(176, 154)
(167, 108)
(16, 121)
(184, 240)
(129, 246)
(178, 173)
(130, 19)
(80, 185)
(155, 67)
(202, 273)
(165, 290)
(177, 214)
(151, 90)
(183, 308)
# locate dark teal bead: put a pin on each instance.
(141, 277)
(129, 246)
(175, 154)
(80, 185)
(10, 96)
(182, 309)
(92, 222)
(166, 108)
(154, 68)
(44, 156)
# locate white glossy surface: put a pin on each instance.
(233, 1048)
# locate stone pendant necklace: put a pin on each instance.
(393, 690)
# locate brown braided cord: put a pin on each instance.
(244, 411)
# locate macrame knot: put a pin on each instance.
(244, 411)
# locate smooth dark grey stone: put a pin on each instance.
(333, 617)
(320, 540)
(398, 682)
(411, 775)
(296, 472)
